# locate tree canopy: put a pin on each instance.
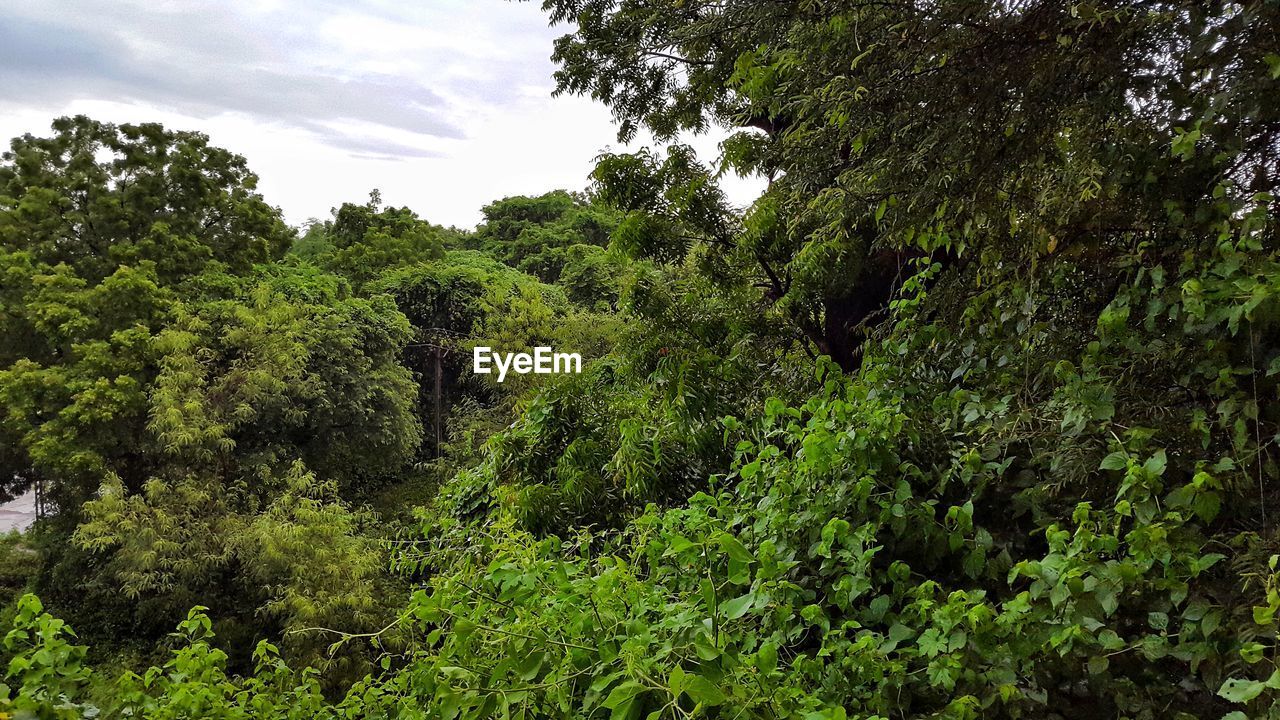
(973, 413)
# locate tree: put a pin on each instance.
(166, 381)
(535, 234)
(468, 299)
(97, 197)
(641, 424)
(278, 400)
(102, 227)
(989, 131)
(362, 242)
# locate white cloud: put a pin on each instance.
(444, 106)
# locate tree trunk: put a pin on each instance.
(439, 402)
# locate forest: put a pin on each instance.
(972, 414)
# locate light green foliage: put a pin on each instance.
(362, 242)
(454, 295)
(100, 229)
(46, 676)
(308, 549)
(249, 388)
(160, 376)
(590, 277)
(194, 683)
(1046, 490)
(299, 563)
(289, 365)
(859, 559)
(559, 238)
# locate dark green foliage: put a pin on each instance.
(590, 275)
(894, 131)
(19, 564)
(469, 299)
(98, 197)
(450, 296)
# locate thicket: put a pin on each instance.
(972, 414)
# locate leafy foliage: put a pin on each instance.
(362, 242)
(894, 130)
(558, 237)
(972, 414)
(161, 381)
(469, 300)
(642, 426)
(101, 227)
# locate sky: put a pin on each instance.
(443, 105)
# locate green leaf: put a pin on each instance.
(767, 657)
(1263, 615)
(676, 679)
(735, 548)
(897, 634)
(624, 711)
(1241, 691)
(1252, 652)
(623, 693)
(1210, 622)
(1118, 460)
(931, 642)
(1109, 640)
(1273, 65)
(703, 691)
(1155, 464)
(1107, 600)
(1059, 593)
(705, 650)
(737, 607)
(678, 544)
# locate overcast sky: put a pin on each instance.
(444, 105)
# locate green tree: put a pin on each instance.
(255, 394)
(985, 131)
(643, 424)
(362, 242)
(469, 299)
(101, 227)
(546, 235)
(161, 375)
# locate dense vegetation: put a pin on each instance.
(972, 414)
